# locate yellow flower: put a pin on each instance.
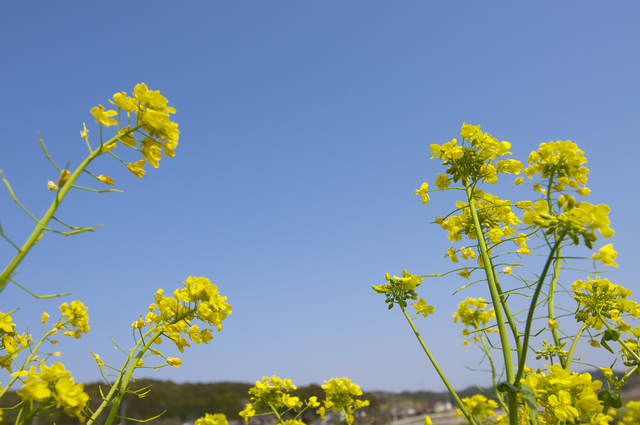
(56, 354)
(607, 372)
(51, 185)
(151, 151)
(427, 421)
(467, 253)
(139, 324)
(507, 270)
(122, 101)
(525, 205)
(518, 181)
(215, 419)
(451, 253)
(607, 255)
(45, 317)
(562, 406)
(313, 402)
(552, 324)
(103, 116)
(248, 412)
(96, 357)
(539, 189)
(584, 191)
(127, 140)
(107, 148)
(71, 397)
(172, 361)
(465, 273)
(64, 176)
(136, 168)
(423, 308)
(423, 193)
(105, 179)
(443, 181)
(84, 133)
(600, 419)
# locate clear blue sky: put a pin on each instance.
(305, 127)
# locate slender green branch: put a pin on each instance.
(275, 412)
(74, 232)
(14, 197)
(96, 190)
(47, 153)
(493, 373)
(38, 296)
(534, 302)
(551, 305)
(439, 371)
(7, 238)
(574, 344)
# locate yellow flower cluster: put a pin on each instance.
(565, 395)
(339, 397)
(494, 214)
(579, 219)
(159, 134)
(561, 160)
(474, 158)
(12, 342)
(399, 289)
(53, 385)
(215, 419)
(274, 394)
(77, 317)
(478, 406)
(471, 312)
(198, 299)
(632, 416)
(601, 297)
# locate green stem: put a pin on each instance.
(534, 302)
(574, 344)
(493, 373)
(556, 274)
(507, 312)
(439, 371)
(123, 383)
(497, 303)
(275, 412)
(47, 153)
(551, 299)
(40, 226)
(346, 416)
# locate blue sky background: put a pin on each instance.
(305, 127)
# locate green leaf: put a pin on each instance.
(609, 335)
(611, 398)
(527, 392)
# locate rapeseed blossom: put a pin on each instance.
(339, 397)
